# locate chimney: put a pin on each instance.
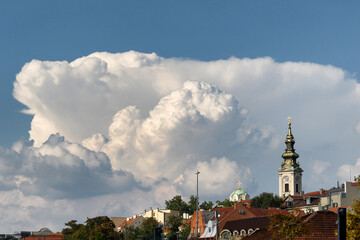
(237, 205)
(321, 190)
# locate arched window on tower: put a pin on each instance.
(286, 187)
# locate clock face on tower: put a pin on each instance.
(297, 179)
(286, 179)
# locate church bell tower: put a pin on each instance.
(290, 172)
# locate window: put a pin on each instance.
(335, 204)
(250, 231)
(242, 233)
(297, 188)
(209, 229)
(225, 234)
(286, 187)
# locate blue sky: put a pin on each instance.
(256, 61)
(324, 32)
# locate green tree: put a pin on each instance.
(72, 227)
(147, 228)
(98, 228)
(206, 205)
(286, 227)
(225, 203)
(192, 204)
(266, 200)
(177, 203)
(185, 231)
(353, 218)
(130, 233)
(174, 222)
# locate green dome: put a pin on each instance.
(238, 192)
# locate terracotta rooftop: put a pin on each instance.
(316, 194)
(300, 200)
(247, 223)
(130, 221)
(335, 209)
(264, 212)
(223, 212)
(261, 234)
(322, 226)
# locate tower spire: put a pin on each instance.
(290, 172)
(289, 155)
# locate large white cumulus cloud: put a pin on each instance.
(191, 121)
(143, 125)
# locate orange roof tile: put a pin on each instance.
(130, 221)
(335, 209)
(322, 226)
(264, 212)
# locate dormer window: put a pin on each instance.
(308, 201)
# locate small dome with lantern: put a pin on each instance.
(239, 194)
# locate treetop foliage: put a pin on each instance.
(266, 200)
(177, 203)
(353, 218)
(287, 227)
(98, 228)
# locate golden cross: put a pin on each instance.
(289, 119)
(239, 184)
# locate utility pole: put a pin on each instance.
(197, 204)
(341, 224)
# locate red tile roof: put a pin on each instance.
(322, 226)
(261, 234)
(247, 223)
(130, 221)
(264, 212)
(335, 209)
(316, 194)
(223, 212)
(300, 200)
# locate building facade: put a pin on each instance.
(160, 215)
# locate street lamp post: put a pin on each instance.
(197, 204)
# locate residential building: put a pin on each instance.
(42, 234)
(208, 227)
(160, 215)
(242, 227)
(118, 221)
(134, 222)
(321, 226)
(323, 199)
(50, 236)
(340, 196)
